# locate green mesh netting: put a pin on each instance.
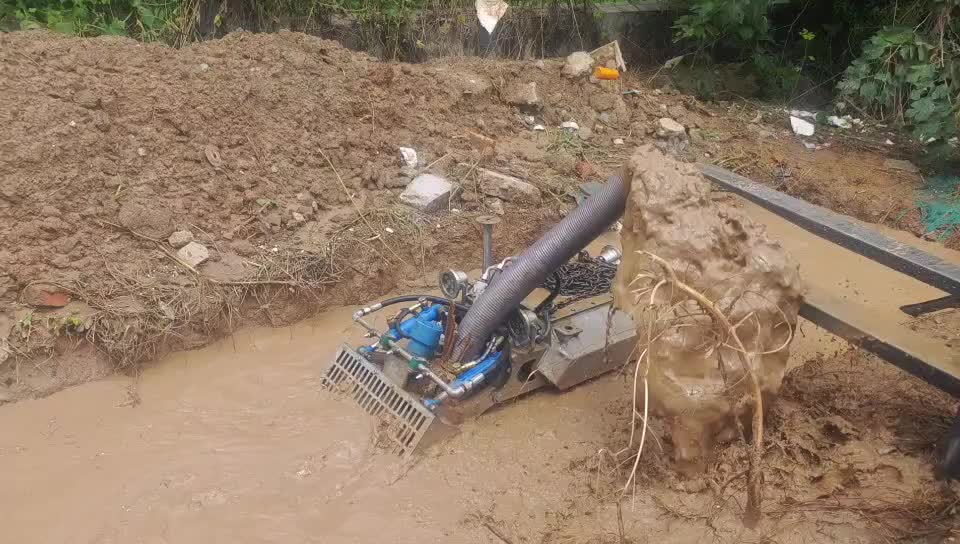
(939, 203)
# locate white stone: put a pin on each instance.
(668, 128)
(801, 127)
(577, 64)
(427, 192)
(193, 254)
(508, 188)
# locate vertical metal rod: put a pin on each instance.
(488, 221)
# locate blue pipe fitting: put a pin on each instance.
(423, 332)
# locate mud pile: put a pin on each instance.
(263, 147)
(696, 373)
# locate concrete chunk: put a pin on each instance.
(427, 192)
(508, 188)
(193, 254)
(521, 94)
(577, 64)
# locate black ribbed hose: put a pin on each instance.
(530, 269)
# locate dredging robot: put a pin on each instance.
(483, 342)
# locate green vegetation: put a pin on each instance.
(894, 60)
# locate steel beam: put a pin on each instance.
(842, 230)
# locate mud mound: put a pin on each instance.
(262, 148)
(696, 369)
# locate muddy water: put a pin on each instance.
(235, 443)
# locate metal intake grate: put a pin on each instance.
(404, 419)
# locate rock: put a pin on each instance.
(471, 83)
(676, 111)
(905, 166)
(801, 127)
(540, 65)
(428, 192)
(603, 102)
(469, 197)
(618, 141)
(521, 94)
(563, 163)
(668, 128)
(147, 218)
(585, 133)
(570, 125)
(409, 156)
(304, 197)
(180, 238)
(495, 205)
(44, 295)
(577, 64)
(243, 247)
(298, 218)
(193, 254)
(508, 188)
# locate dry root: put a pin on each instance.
(661, 319)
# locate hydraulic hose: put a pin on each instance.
(528, 271)
(460, 308)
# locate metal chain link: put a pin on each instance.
(584, 278)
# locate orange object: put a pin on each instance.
(606, 73)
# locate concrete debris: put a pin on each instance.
(801, 127)
(668, 128)
(180, 238)
(509, 188)
(618, 141)
(610, 56)
(44, 295)
(193, 254)
(539, 128)
(577, 64)
(903, 166)
(428, 192)
(521, 94)
(409, 156)
(572, 126)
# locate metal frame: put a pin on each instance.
(917, 358)
(842, 230)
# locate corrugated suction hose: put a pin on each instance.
(530, 269)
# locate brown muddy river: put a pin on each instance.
(237, 443)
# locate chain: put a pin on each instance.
(584, 278)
